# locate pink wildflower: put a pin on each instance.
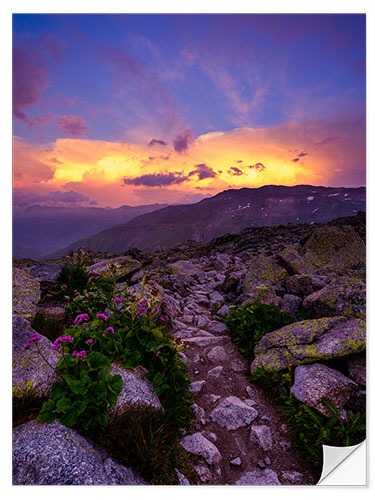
(102, 316)
(27, 346)
(81, 318)
(90, 341)
(64, 287)
(109, 329)
(157, 353)
(117, 300)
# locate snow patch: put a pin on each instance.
(310, 198)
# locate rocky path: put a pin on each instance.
(239, 437)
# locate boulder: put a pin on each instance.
(25, 294)
(290, 259)
(30, 371)
(290, 304)
(343, 296)
(309, 341)
(335, 249)
(46, 272)
(123, 266)
(357, 368)
(266, 477)
(304, 284)
(52, 454)
(232, 413)
(262, 271)
(136, 391)
(50, 321)
(316, 382)
(197, 444)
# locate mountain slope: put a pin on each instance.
(39, 230)
(227, 212)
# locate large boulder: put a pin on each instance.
(304, 284)
(52, 454)
(136, 391)
(46, 272)
(293, 262)
(309, 341)
(335, 249)
(25, 294)
(30, 371)
(122, 266)
(264, 271)
(343, 296)
(316, 382)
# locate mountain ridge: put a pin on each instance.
(227, 212)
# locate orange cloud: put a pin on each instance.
(98, 168)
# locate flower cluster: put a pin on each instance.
(117, 300)
(34, 338)
(102, 316)
(80, 355)
(63, 339)
(81, 318)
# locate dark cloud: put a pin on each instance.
(54, 198)
(182, 140)
(295, 160)
(158, 142)
(30, 79)
(74, 126)
(235, 171)
(239, 161)
(327, 140)
(303, 153)
(258, 166)
(55, 160)
(156, 180)
(203, 171)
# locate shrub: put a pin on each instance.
(308, 429)
(147, 440)
(249, 323)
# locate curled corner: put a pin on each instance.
(344, 465)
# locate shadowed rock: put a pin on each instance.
(52, 454)
(313, 383)
(25, 294)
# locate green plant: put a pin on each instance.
(85, 395)
(308, 429)
(249, 323)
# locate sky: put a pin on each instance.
(112, 110)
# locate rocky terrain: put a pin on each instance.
(238, 435)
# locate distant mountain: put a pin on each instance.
(39, 230)
(227, 212)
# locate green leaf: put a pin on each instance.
(78, 386)
(79, 407)
(58, 391)
(70, 419)
(46, 414)
(64, 405)
(98, 361)
(116, 384)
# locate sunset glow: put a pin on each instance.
(137, 109)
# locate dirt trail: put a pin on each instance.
(259, 444)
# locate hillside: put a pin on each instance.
(228, 212)
(38, 230)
